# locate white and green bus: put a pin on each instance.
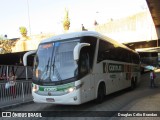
(74, 68)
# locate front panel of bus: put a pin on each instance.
(57, 77)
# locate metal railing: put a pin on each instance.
(19, 93)
(19, 71)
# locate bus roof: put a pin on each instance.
(85, 33)
(71, 35)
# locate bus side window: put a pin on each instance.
(91, 50)
(84, 65)
(135, 58)
(101, 51)
(105, 51)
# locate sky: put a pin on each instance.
(46, 16)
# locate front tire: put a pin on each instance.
(133, 84)
(101, 93)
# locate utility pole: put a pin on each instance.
(29, 18)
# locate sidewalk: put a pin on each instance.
(150, 102)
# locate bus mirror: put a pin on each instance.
(77, 50)
(26, 55)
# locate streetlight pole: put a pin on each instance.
(29, 18)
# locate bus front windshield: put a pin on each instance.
(54, 62)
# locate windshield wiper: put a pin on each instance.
(48, 64)
(46, 70)
(56, 71)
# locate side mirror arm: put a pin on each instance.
(77, 50)
(26, 55)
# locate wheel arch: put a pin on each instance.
(102, 82)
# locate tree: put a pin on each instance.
(66, 21)
(23, 31)
(6, 46)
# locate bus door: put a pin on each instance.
(86, 77)
(92, 86)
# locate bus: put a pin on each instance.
(78, 67)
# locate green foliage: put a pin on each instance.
(23, 31)
(6, 46)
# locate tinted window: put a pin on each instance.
(91, 49)
(84, 65)
(105, 51)
(135, 58)
(108, 51)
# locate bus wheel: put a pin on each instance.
(133, 84)
(101, 93)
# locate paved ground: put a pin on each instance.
(145, 104)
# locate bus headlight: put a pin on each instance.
(35, 88)
(70, 89)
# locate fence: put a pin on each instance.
(19, 93)
(19, 71)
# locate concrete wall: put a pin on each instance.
(139, 27)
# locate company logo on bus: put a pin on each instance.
(50, 89)
(113, 67)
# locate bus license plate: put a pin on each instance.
(50, 100)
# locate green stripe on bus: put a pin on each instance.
(56, 88)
